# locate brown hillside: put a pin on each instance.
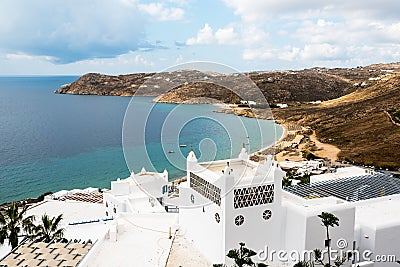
(100, 84)
(276, 86)
(199, 93)
(357, 123)
(300, 86)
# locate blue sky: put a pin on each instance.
(123, 36)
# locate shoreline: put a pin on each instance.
(284, 134)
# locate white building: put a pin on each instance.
(248, 102)
(368, 207)
(306, 166)
(283, 105)
(140, 193)
(230, 201)
(302, 229)
(226, 202)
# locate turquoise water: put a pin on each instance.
(50, 142)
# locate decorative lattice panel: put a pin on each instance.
(253, 196)
(206, 189)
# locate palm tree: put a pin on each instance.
(242, 256)
(328, 220)
(48, 229)
(12, 221)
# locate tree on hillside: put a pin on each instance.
(49, 228)
(12, 222)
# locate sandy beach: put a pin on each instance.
(295, 137)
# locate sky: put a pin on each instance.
(71, 37)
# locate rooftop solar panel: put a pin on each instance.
(351, 188)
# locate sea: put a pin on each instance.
(50, 142)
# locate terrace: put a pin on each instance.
(93, 197)
(47, 254)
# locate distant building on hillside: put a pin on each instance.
(283, 105)
(248, 102)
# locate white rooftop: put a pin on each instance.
(73, 212)
(339, 174)
(141, 184)
(144, 242)
(379, 212)
(239, 169)
(311, 203)
(243, 171)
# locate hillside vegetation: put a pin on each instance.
(358, 123)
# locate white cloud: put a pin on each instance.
(287, 53)
(311, 31)
(323, 31)
(321, 52)
(206, 36)
(161, 12)
(254, 36)
(66, 33)
(179, 2)
(142, 61)
(260, 53)
(385, 32)
(226, 36)
(20, 56)
(261, 11)
(130, 3)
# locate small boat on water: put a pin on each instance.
(171, 151)
(183, 145)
